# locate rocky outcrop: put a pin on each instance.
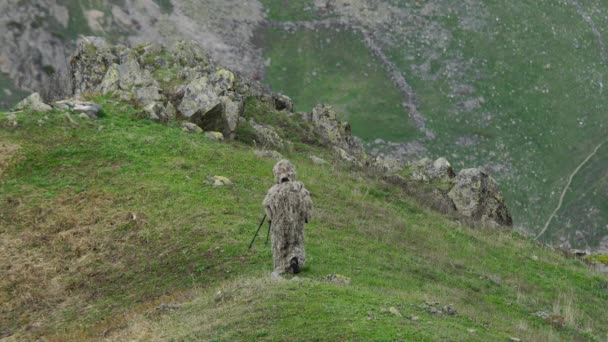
(332, 132)
(476, 194)
(205, 94)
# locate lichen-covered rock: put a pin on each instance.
(475, 194)
(89, 108)
(189, 127)
(155, 112)
(317, 161)
(332, 132)
(427, 170)
(190, 54)
(268, 154)
(198, 99)
(90, 63)
(387, 164)
(266, 136)
(109, 83)
(215, 136)
(282, 102)
(34, 103)
(345, 156)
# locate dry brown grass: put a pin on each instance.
(7, 151)
(50, 252)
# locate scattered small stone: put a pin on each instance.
(275, 276)
(318, 161)
(167, 307)
(393, 310)
(268, 154)
(337, 279)
(535, 258)
(414, 318)
(296, 279)
(438, 309)
(514, 339)
(83, 116)
(189, 127)
(69, 119)
(471, 331)
(215, 136)
(218, 181)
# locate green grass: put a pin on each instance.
(77, 264)
(336, 68)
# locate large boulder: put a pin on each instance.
(427, 170)
(332, 132)
(476, 195)
(202, 105)
(90, 63)
(34, 103)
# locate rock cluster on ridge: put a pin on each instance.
(183, 83)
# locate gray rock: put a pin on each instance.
(266, 136)
(345, 156)
(282, 102)
(155, 111)
(215, 136)
(268, 154)
(427, 170)
(276, 276)
(337, 279)
(317, 161)
(332, 132)
(189, 127)
(84, 116)
(90, 63)
(476, 195)
(34, 103)
(90, 109)
(190, 54)
(387, 164)
(170, 111)
(109, 83)
(199, 98)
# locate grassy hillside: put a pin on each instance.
(103, 222)
(517, 87)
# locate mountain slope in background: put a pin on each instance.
(517, 88)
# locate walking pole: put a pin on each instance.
(256, 233)
(268, 233)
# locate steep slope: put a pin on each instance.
(102, 221)
(516, 88)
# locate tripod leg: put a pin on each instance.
(268, 233)
(257, 231)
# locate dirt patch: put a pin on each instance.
(7, 151)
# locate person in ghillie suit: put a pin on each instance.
(288, 207)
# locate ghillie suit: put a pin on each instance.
(289, 207)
